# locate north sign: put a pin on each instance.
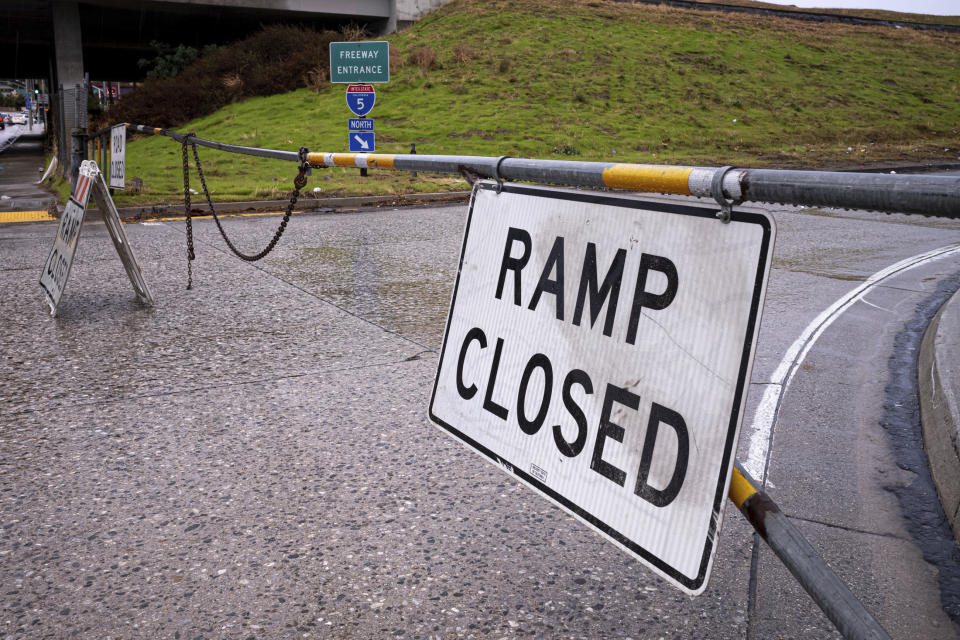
(361, 98)
(598, 348)
(360, 124)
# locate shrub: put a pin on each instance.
(425, 58)
(273, 60)
(462, 53)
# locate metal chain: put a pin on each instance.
(186, 209)
(298, 183)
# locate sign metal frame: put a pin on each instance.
(56, 269)
(468, 423)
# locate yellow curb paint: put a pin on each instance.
(642, 178)
(740, 488)
(25, 216)
(220, 215)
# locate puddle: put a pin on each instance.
(401, 295)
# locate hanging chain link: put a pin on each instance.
(186, 210)
(299, 182)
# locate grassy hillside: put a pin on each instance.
(597, 80)
(875, 14)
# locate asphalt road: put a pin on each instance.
(252, 457)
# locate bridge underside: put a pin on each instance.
(115, 34)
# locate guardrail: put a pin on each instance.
(891, 193)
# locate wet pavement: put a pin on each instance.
(21, 166)
(252, 458)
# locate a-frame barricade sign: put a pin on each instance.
(55, 272)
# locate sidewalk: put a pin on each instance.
(21, 165)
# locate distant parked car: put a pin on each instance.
(18, 118)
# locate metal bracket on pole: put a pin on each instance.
(496, 173)
(716, 189)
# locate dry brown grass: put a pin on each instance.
(425, 58)
(316, 79)
(353, 32)
(462, 53)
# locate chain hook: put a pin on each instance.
(301, 180)
(496, 173)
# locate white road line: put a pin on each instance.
(765, 416)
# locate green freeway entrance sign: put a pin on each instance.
(360, 62)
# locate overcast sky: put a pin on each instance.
(935, 7)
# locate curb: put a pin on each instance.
(939, 384)
(304, 205)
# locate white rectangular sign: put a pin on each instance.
(53, 278)
(599, 348)
(118, 153)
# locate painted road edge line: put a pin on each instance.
(765, 416)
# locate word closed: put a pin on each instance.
(598, 348)
(118, 153)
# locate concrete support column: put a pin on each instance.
(68, 48)
(391, 25)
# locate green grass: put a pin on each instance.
(599, 81)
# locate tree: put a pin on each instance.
(14, 100)
(169, 60)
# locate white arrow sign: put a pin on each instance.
(363, 143)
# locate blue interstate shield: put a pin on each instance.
(360, 98)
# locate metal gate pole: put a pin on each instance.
(824, 586)
(897, 193)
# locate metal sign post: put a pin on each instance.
(599, 349)
(55, 272)
(111, 217)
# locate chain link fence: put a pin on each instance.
(69, 122)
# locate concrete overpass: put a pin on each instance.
(62, 39)
(66, 41)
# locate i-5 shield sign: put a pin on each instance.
(599, 348)
(360, 98)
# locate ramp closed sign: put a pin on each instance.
(599, 349)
